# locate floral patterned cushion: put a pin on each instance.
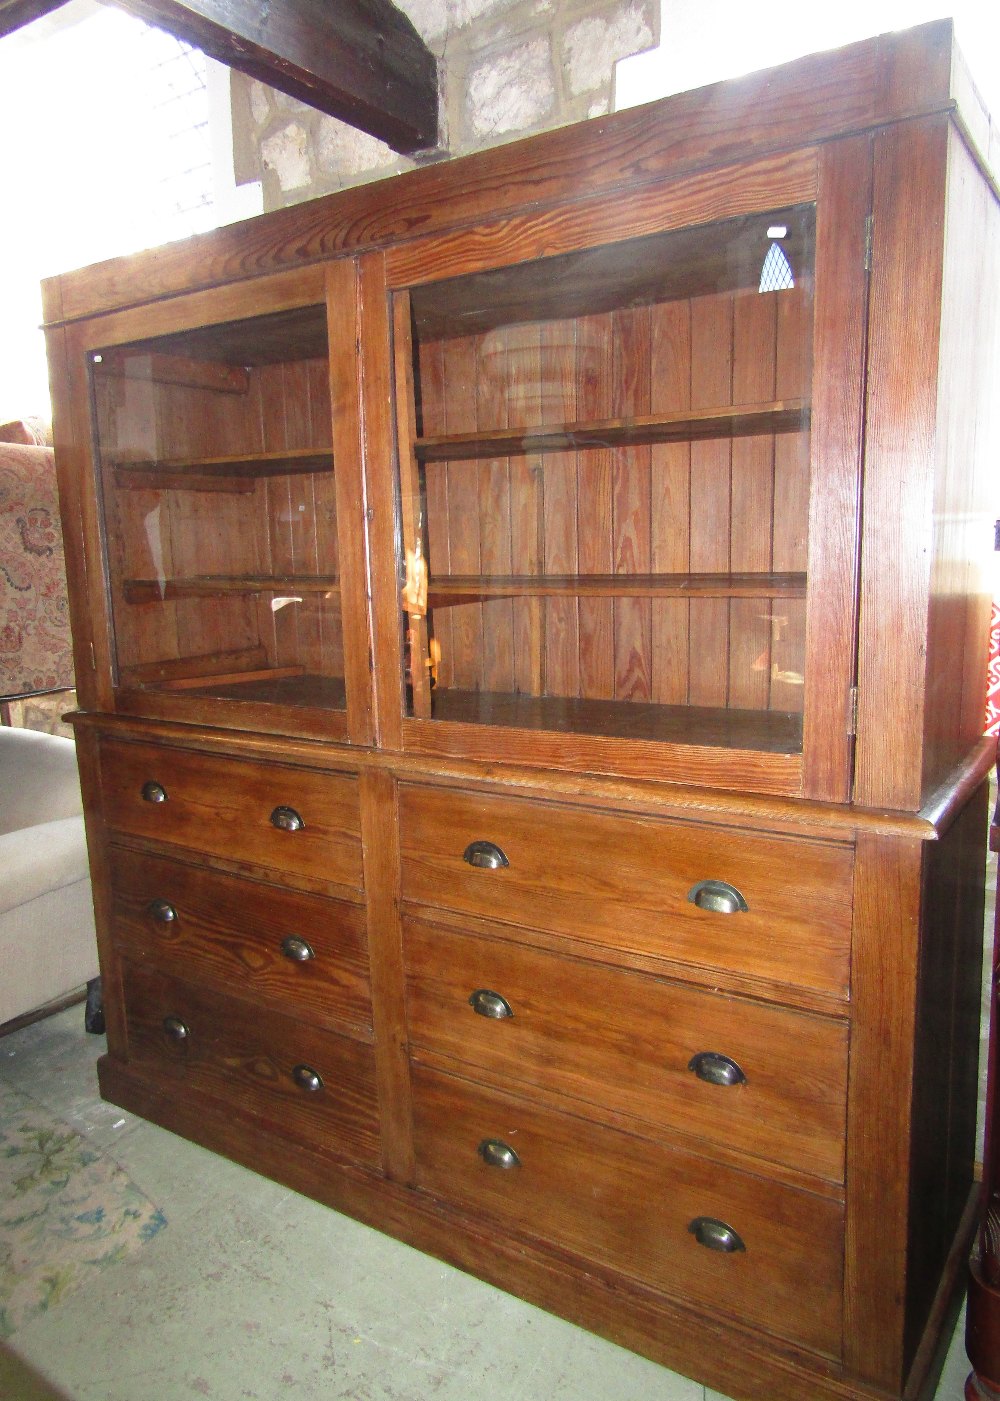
(35, 645)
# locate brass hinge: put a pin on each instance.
(869, 227)
(852, 711)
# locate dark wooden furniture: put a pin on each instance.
(531, 648)
(982, 1322)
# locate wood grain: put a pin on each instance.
(248, 1054)
(223, 806)
(818, 97)
(628, 1204)
(619, 1047)
(624, 883)
(225, 932)
(900, 454)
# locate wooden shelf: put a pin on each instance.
(289, 462)
(767, 731)
(735, 421)
(451, 590)
(285, 686)
(216, 585)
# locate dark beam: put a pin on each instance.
(15, 13)
(359, 60)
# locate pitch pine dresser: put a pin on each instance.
(530, 623)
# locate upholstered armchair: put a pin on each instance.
(48, 945)
(47, 941)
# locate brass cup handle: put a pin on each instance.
(162, 911)
(286, 819)
(485, 855)
(715, 1235)
(153, 792)
(497, 1154)
(716, 1069)
(717, 896)
(307, 1079)
(297, 950)
(177, 1030)
(490, 1004)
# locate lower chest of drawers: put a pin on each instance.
(652, 1081)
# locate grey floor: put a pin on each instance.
(255, 1292)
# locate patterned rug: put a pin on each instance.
(67, 1212)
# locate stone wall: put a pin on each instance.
(506, 68)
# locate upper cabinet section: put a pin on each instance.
(608, 482)
(218, 480)
(605, 501)
(655, 447)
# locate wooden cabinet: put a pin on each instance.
(530, 644)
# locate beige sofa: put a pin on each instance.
(47, 940)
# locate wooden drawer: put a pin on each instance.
(214, 928)
(625, 882)
(223, 807)
(246, 1057)
(628, 1205)
(624, 1043)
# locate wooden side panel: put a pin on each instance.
(947, 1052)
(884, 972)
(900, 453)
(966, 500)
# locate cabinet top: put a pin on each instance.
(873, 83)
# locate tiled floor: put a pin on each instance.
(255, 1292)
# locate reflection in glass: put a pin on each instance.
(221, 525)
(604, 488)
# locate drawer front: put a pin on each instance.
(293, 950)
(637, 1208)
(629, 882)
(230, 807)
(755, 1078)
(255, 1060)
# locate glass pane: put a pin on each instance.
(220, 511)
(605, 488)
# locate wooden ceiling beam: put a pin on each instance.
(359, 60)
(16, 13)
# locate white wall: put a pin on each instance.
(702, 41)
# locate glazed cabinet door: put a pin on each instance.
(222, 479)
(627, 437)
